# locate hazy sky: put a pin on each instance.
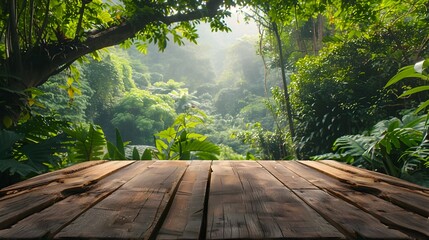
(223, 39)
(214, 45)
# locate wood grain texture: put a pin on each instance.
(44, 179)
(16, 207)
(378, 176)
(340, 214)
(248, 202)
(186, 215)
(48, 222)
(414, 201)
(364, 202)
(289, 178)
(214, 200)
(132, 211)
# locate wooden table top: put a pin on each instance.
(214, 200)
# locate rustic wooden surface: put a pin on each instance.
(214, 200)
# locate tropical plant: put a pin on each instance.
(180, 142)
(88, 143)
(395, 146)
(330, 90)
(418, 71)
(116, 151)
(33, 147)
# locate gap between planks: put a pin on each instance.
(186, 215)
(389, 214)
(348, 219)
(47, 222)
(17, 205)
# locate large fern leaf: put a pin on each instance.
(353, 145)
(45, 152)
(89, 143)
(195, 145)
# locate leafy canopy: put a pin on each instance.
(41, 38)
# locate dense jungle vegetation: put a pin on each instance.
(90, 79)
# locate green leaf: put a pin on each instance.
(414, 90)
(406, 72)
(196, 145)
(147, 154)
(185, 156)
(13, 166)
(393, 124)
(120, 145)
(197, 136)
(89, 143)
(105, 17)
(96, 56)
(183, 136)
(160, 145)
(126, 44)
(422, 106)
(351, 145)
(169, 134)
(45, 151)
(141, 47)
(7, 140)
(413, 121)
(111, 149)
(250, 156)
(136, 155)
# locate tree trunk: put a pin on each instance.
(320, 23)
(315, 47)
(286, 92)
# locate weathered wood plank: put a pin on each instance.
(13, 209)
(248, 202)
(132, 211)
(46, 178)
(355, 223)
(364, 202)
(247, 199)
(411, 200)
(185, 217)
(48, 222)
(378, 176)
(228, 204)
(287, 177)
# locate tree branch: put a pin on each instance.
(30, 32)
(14, 50)
(79, 23)
(114, 35)
(44, 24)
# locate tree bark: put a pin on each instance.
(320, 24)
(285, 89)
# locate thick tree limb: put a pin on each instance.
(59, 57)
